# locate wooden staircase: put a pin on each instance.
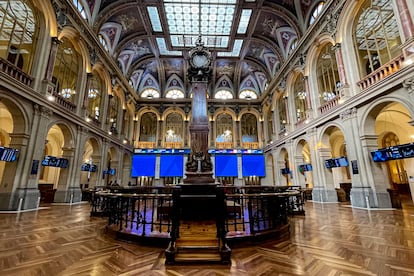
(198, 243)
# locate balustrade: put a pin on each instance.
(250, 145)
(327, 106)
(146, 145)
(15, 72)
(381, 73)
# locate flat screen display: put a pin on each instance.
(225, 165)
(253, 165)
(143, 165)
(8, 154)
(171, 165)
(342, 162)
(85, 167)
(52, 161)
(330, 163)
(285, 171)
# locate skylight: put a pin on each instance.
(238, 43)
(162, 46)
(186, 19)
(244, 21)
(155, 19)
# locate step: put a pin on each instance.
(186, 254)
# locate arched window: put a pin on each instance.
(327, 74)
(248, 95)
(293, 46)
(269, 125)
(249, 128)
(174, 94)
(150, 93)
(148, 127)
(223, 95)
(65, 72)
(79, 6)
(316, 12)
(113, 113)
(103, 42)
(18, 33)
(376, 36)
(174, 128)
(283, 119)
(96, 88)
(224, 128)
(300, 98)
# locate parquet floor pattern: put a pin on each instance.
(331, 239)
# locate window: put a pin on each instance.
(65, 72)
(223, 94)
(174, 94)
(18, 33)
(103, 42)
(316, 12)
(150, 93)
(376, 35)
(80, 8)
(248, 95)
(94, 97)
(327, 75)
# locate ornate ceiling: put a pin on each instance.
(144, 52)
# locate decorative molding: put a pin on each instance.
(348, 113)
(409, 84)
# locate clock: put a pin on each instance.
(200, 60)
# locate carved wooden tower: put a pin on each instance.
(199, 168)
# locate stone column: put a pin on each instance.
(212, 133)
(299, 178)
(134, 134)
(47, 82)
(85, 106)
(324, 190)
(407, 27)
(374, 192)
(281, 180)
(185, 135)
(95, 176)
(23, 197)
(63, 193)
(237, 133)
(344, 92)
(160, 133)
(309, 111)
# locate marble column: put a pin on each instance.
(47, 82)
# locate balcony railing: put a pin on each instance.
(325, 107)
(250, 145)
(146, 145)
(63, 102)
(173, 145)
(14, 72)
(384, 71)
(224, 145)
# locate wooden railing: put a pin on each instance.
(325, 107)
(14, 72)
(146, 145)
(385, 70)
(154, 212)
(250, 145)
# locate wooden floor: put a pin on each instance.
(331, 239)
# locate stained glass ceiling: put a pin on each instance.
(213, 19)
